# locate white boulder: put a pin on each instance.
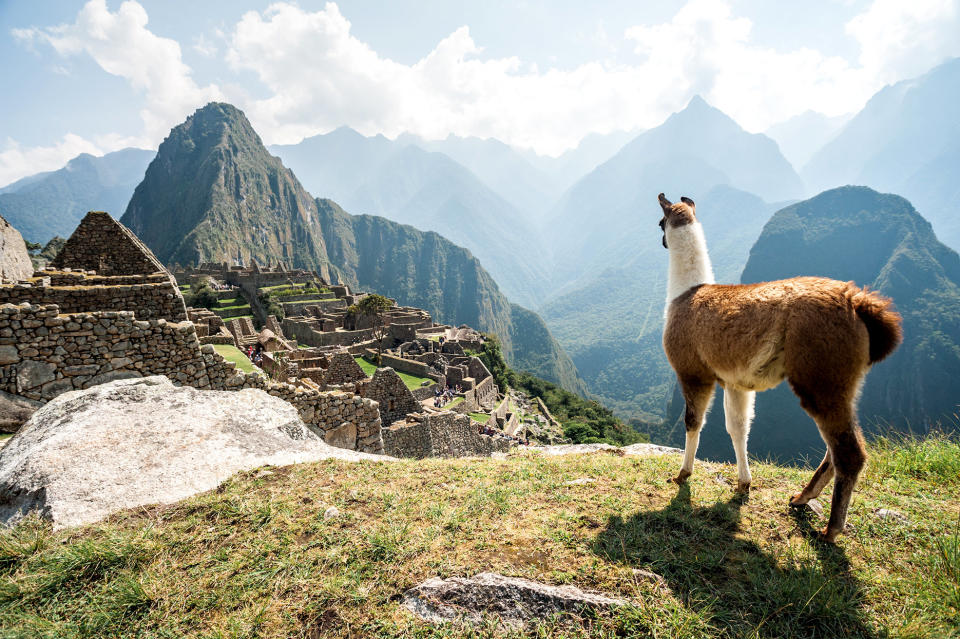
(133, 442)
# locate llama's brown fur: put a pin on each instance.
(820, 335)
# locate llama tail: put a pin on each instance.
(882, 322)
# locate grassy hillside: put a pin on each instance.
(258, 558)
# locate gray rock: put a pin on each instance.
(343, 436)
(579, 449)
(15, 411)
(891, 515)
(513, 600)
(32, 373)
(15, 262)
(89, 453)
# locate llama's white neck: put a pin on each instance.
(689, 262)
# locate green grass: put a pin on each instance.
(483, 418)
(411, 381)
(233, 354)
(257, 558)
(368, 367)
(230, 307)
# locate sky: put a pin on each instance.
(97, 76)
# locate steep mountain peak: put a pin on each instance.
(700, 114)
(214, 191)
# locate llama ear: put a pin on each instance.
(688, 202)
(664, 202)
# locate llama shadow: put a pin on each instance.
(732, 582)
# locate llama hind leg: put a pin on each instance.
(697, 396)
(738, 413)
(849, 457)
(821, 477)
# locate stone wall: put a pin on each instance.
(408, 366)
(443, 434)
(44, 353)
(102, 244)
(395, 399)
(299, 328)
(153, 297)
(485, 393)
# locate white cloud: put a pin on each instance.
(17, 162)
(122, 45)
(903, 39)
(321, 76)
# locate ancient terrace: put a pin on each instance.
(106, 309)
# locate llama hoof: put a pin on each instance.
(681, 479)
(798, 500)
(743, 487)
(829, 536)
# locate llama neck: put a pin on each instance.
(689, 261)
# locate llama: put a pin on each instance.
(820, 335)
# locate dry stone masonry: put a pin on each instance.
(445, 434)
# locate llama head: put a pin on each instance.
(676, 215)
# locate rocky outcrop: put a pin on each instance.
(89, 453)
(512, 600)
(14, 260)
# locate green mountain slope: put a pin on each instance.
(213, 192)
(877, 240)
(424, 269)
(48, 204)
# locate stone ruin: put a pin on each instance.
(106, 309)
(70, 327)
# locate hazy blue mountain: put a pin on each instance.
(877, 240)
(906, 140)
(800, 137)
(592, 151)
(52, 203)
(604, 217)
(612, 325)
(402, 182)
(502, 168)
(334, 165)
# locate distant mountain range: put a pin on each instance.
(48, 204)
(876, 240)
(906, 140)
(599, 223)
(401, 181)
(213, 193)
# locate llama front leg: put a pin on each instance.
(697, 396)
(738, 413)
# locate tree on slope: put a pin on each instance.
(374, 307)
